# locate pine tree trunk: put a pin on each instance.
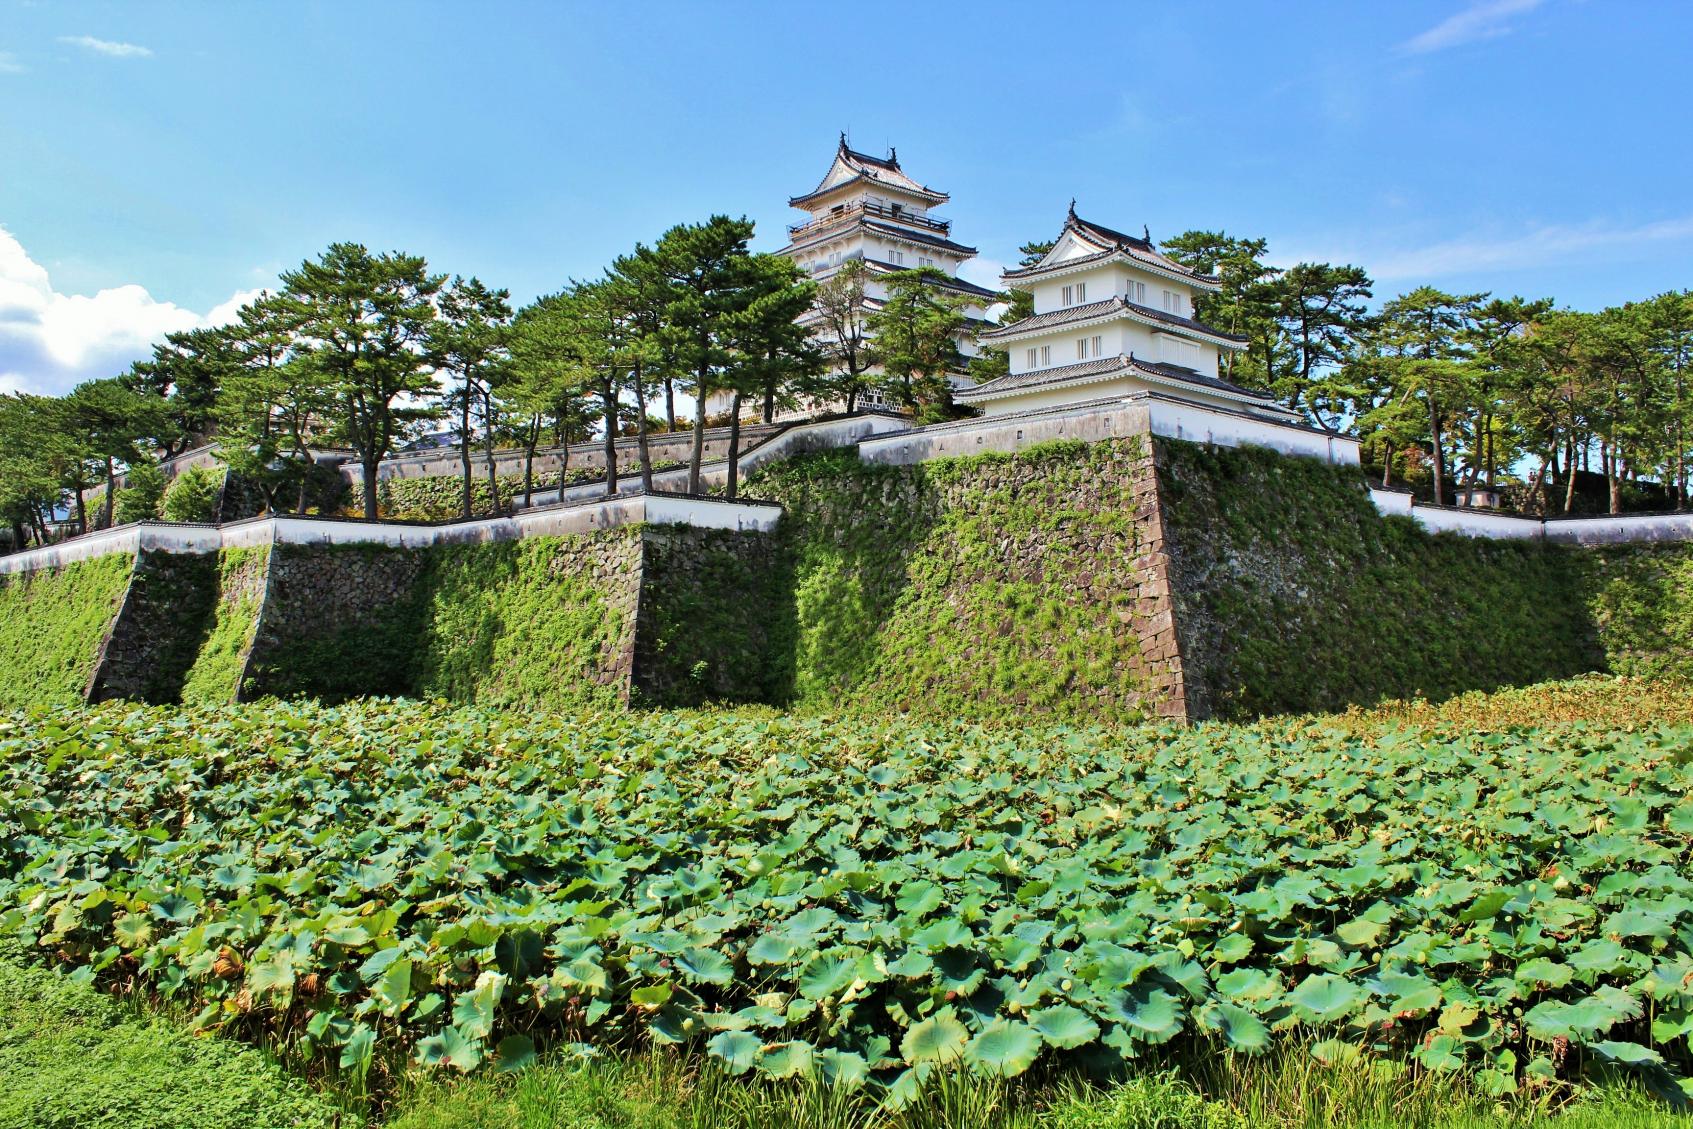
(107, 507)
(369, 461)
(464, 452)
(770, 403)
(488, 449)
(670, 403)
(641, 430)
(698, 456)
(608, 402)
(530, 439)
(1387, 465)
(1439, 453)
(734, 447)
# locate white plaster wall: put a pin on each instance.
(1177, 419)
(707, 513)
(1621, 528)
(1478, 523)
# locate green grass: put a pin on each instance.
(72, 1059)
(663, 1091)
(51, 626)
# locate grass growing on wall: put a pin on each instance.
(1641, 600)
(1294, 593)
(51, 625)
(440, 497)
(216, 673)
(526, 623)
(986, 586)
(713, 603)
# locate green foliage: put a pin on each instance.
(73, 1060)
(1293, 593)
(989, 586)
(52, 623)
(142, 495)
(440, 497)
(529, 623)
(193, 495)
(1641, 597)
(864, 900)
(713, 604)
(215, 674)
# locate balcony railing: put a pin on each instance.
(871, 210)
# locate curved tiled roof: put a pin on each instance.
(1106, 368)
(1110, 307)
(883, 171)
(886, 230)
(1110, 243)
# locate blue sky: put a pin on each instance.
(160, 161)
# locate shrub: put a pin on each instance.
(140, 500)
(194, 495)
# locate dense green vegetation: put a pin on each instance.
(51, 625)
(1294, 593)
(866, 903)
(440, 497)
(986, 586)
(524, 623)
(73, 1059)
(216, 672)
(1641, 601)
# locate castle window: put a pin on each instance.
(1174, 303)
(1032, 356)
(1069, 295)
(897, 258)
(1098, 347)
(1136, 292)
(1045, 355)
(1081, 348)
(1081, 292)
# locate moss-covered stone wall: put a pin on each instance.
(226, 645)
(161, 625)
(715, 610)
(1293, 593)
(53, 624)
(1640, 598)
(994, 586)
(543, 622)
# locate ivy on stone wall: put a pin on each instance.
(52, 623)
(987, 586)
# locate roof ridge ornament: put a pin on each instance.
(844, 140)
(893, 156)
(1146, 234)
(1071, 217)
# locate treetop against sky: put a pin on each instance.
(160, 163)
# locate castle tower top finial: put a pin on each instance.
(843, 139)
(1072, 213)
(1146, 233)
(893, 156)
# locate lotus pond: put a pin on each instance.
(865, 903)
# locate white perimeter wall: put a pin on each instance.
(705, 513)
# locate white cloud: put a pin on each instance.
(50, 341)
(9, 63)
(1547, 245)
(982, 271)
(108, 47)
(1487, 19)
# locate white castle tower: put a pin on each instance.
(867, 208)
(1112, 316)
